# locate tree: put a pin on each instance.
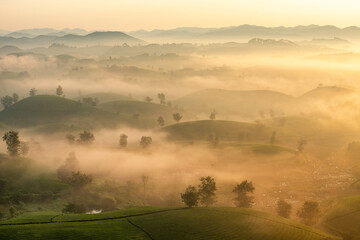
(148, 99)
(162, 98)
(90, 101)
(145, 141)
(7, 101)
(13, 143)
(301, 144)
(59, 91)
(71, 165)
(32, 92)
(241, 190)
(273, 137)
(24, 148)
(213, 115)
(73, 208)
(190, 197)
(15, 97)
(177, 117)
(309, 212)
(13, 211)
(207, 189)
(70, 138)
(283, 208)
(123, 140)
(86, 137)
(161, 121)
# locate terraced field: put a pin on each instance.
(344, 218)
(159, 223)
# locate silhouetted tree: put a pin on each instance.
(207, 190)
(86, 137)
(123, 140)
(24, 148)
(145, 141)
(70, 138)
(241, 190)
(90, 101)
(309, 212)
(177, 117)
(213, 115)
(190, 197)
(15, 97)
(301, 144)
(7, 101)
(32, 92)
(161, 121)
(283, 208)
(161, 97)
(13, 143)
(148, 99)
(59, 91)
(71, 165)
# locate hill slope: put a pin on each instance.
(163, 223)
(48, 109)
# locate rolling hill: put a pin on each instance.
(344, 218)
(160, 223)
(148, 112)
(224, 130)
(48, 109)
(326, 93)
(230, 104)
(105, 97)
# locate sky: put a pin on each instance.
(128, 15)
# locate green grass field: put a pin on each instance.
(344, 218)
(159, 223)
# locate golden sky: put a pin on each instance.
(126, 15)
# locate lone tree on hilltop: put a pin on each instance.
(309, 212)
(148, 99)
(59, 91)
(283, 208)
(123, 140)
(242, 199)
(177, 117)
(161, 121)
(13, 143)
(213, 115)
(190, 197)
(86, 137)
(207, 189)
(32, 92)
(7, 101)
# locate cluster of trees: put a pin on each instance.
(7, 101)
(85, 137)
(205, 193)
(15, 147)
(308, 213)
(91, 101)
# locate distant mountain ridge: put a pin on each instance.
(95, 38)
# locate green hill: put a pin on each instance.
(344, 218)
(243, 104)
(224, 130)
(105, 97)
(148, 112)
(48, 109)
(160, 223)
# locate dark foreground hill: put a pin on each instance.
(159, 223)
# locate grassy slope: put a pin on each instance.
(48, 109)
(225, 130)
(106, 97)
(197, 223)
(148, 112)
(345, 217)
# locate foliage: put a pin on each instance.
(190, 197)
(86, 137)
(59, 91)
(177, 117)
(7, 101)
(161, 121)
(32, 92)
(91, 101)
(145, 141)
(70, 138)
(283, 208)
(241, 190)
(15, 97)
(123, 140)
(73, 208)
(78, 179)
(213, 115)
(13, 143)
(71, 165)
(207, 190)
(161, 97)
(148, 99)
(309, 212)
